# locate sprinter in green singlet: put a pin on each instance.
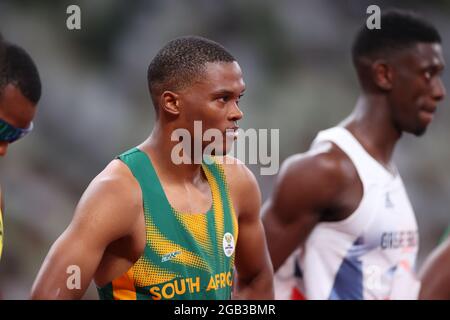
(148, 227)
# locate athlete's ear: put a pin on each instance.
(382, 75)
(170, 102)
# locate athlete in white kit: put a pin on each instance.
(341, 207)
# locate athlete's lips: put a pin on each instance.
(232, 132)
(427, 113)
(429, 109)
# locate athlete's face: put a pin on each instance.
(417, 87)
(214, 100)
(16, 110)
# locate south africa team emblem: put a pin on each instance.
(228, 244)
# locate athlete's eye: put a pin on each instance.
(239, 99)
(427, 74)
(224, 99)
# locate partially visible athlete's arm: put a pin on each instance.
(435, 274)
(253, 266)
(306, 186)
(106, 212)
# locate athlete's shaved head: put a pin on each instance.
(182, 61)
(399, 30)
(17, 68)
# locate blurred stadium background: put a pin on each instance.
(296, 61)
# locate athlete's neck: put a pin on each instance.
(370, 122)
(159, 147)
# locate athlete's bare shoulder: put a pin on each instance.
(117, 178)
(234, 168)
(242, 184)
(113, 196)
(323, 164)
(115, 171)
(237, 173)
(313, 181)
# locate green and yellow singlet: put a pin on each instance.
(186, 256)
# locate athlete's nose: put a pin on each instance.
(236, 113)
(438, 90)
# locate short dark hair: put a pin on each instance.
(399, 30)
(181, 61)
(17, 68)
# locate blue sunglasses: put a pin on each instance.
(9, 133)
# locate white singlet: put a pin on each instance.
(369, 255)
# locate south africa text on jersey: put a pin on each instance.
(179, 287)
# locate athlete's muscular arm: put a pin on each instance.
(306, 190)
(435, 274)
(253, 267)
(106, 212)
